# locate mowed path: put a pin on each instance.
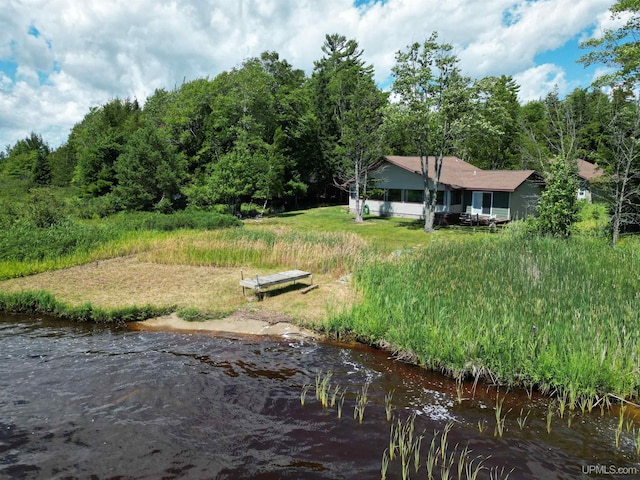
(131, 280)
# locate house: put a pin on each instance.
(499, 195)
(588, 173)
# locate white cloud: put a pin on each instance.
(95, 50)
(536, 82)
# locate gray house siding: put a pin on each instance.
(525, 200)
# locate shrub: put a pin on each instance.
(186, 219)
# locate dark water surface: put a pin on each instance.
(80, 401)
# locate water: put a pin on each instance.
(80, 401)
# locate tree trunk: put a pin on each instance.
(430, 211)
(359, 202)
(615, 228)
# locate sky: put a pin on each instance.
(59, 58)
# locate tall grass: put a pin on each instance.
(26, 248)
(265, 248)
(538, 312)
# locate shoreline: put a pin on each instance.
(238, 323)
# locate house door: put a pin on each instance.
(481, 203)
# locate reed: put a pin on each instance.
(388, 397)
(570, 418)
(334, 395)
(549, 416)
(385, 464)
(323, 387)
(482, 425)
(260, 247)
(562, 403)
(432, 457)
(620, 427)
(303, 394)
(361, 403)
(496, 473)
(341, 403)
(522, 419)
(500, 418)
(511, 308)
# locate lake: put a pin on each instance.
(86, 401)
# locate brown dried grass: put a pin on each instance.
(215, 291)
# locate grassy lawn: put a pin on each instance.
(383, 234)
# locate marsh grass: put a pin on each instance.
(537, 312)
(549, 416)
(388, 398)
(303, 393)
(340, 403)
(522, 418)
(441, 460)
(500, 418)
(361, 403)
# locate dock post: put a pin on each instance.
(310, 276)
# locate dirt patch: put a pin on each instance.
(127, 281)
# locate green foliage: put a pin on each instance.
(492, 129)
(436, 96)
(541, 312)
(558, 209)
(186, 219)
(618, 49)
(98, 140)
(149, 172)
(25, 241)
(28, 161)
(43, 209)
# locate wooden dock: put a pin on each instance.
(258, 283)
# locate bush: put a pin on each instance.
(186, 219)
(558, 209)
(26, 241)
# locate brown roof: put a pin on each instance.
(459, 174)
(588, 171)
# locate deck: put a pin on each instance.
(259, 283)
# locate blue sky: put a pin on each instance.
(58, 58)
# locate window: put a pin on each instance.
(456, 197)
(394, 195)
(415, 196)
(376, 194)
(440, 197)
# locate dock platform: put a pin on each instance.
(258, 283)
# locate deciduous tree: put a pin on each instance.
(429, 85)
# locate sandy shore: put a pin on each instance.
(238, 323)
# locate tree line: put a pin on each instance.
(266, 133)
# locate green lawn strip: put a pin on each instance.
(44, 303)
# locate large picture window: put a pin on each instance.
(415, 196)
(394, 195)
